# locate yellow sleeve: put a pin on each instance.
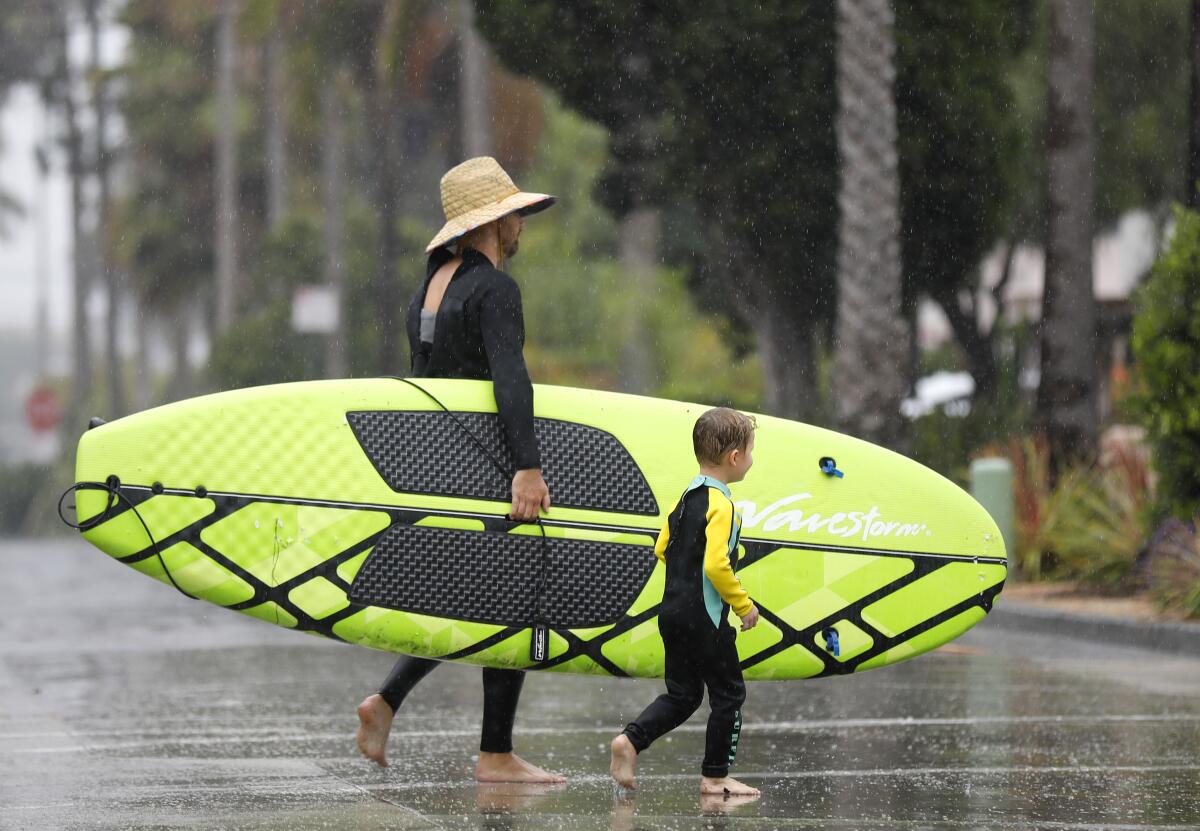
(664, 536)
(716, 554)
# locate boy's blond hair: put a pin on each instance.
(719, 431)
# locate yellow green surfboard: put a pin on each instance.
(373, 512)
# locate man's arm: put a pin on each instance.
(503, 328)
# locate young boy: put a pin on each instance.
(698, 545)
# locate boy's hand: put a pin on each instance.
(751, 618)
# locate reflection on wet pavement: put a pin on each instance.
(123, 704)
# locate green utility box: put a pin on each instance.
(992, 487)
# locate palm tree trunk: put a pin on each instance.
(333, 215)
(227, 172)
(82, 283)
(872, 340)
(108, 274)
(1192, 194)
(276, 129)
(787, 350)
(640, 231)
(386, 138)
(1066, 400)
(474, 99)
(179, 324)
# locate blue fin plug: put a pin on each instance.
(831, 641)
(829, 467)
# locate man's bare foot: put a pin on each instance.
(726, 786)
(624, 761)
(374, 724)
(509, 767)
(507, 797)
(554, 778)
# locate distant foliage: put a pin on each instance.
(575, 295)
(1166, 347)
(946, 440)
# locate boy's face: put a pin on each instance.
(740, 461)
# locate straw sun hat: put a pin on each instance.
(477, 192)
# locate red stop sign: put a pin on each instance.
(43, 409)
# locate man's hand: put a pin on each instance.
(751, 618)
(529, 493)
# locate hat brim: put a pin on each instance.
(519, 203)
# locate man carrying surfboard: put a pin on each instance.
(698, 546)
(466, 322)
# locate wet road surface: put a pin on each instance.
(126, 705)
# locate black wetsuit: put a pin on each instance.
(698, 544)
(480, 334)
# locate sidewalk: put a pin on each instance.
(1065, 610)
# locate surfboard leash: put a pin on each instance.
(112, 486)
(539, 642)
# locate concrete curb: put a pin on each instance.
(1165, 636)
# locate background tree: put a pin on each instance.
(872, 351)
(228, 282)
(751, 177)
(1166, 344)
(622, 90)
(27, 30)
(110, 277)
(963, 151)
(692, 130)
(165, 221)
(1067, 406)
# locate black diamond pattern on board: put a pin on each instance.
(429, 452)
(491, 577)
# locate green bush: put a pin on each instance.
(1166, 348)
(1175, 568)
(1090, 524)
(1100, 525)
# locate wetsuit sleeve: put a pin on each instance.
(716, 554)
(503, 326)
(664, 536)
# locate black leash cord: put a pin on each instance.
(115, 494)
(539, 611)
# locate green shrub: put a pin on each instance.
(1090, 524)
(1166, 347)
(1100, 526)
(1175, 568)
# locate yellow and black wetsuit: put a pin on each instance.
(698, 545)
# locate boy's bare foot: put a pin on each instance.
(509, 767)
(623, 813)
(374, 724)
(717, 804)
(624, 761)
(726, 786)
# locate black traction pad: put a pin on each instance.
(492, 577)
(428, 452)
